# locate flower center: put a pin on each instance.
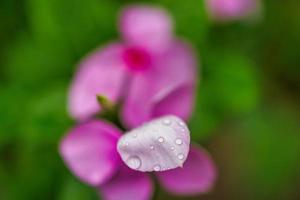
(136, 58)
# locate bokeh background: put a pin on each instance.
(247, 112)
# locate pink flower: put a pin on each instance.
(150, 73)
(228, 10)
(93, 150)
(153, 77)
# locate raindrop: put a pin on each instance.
(172, 148)
(134, 135)
(161, 139)
(134, 162)
(156, 168)
(183, 130)
(167, 122)
(180, 156)
(181, 123)
(151, 147)
(178, 141)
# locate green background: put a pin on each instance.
(247, 112)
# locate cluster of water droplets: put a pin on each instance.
(135, 162)
(178, 141)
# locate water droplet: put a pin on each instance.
(167, 122)
(134, 135)
(156, 168)
(172, 148)
(161, 139)
(178, 141)
(180, 156)
(183, 130)
(151, 147)
(134, 162)
(127, 144)
(181, 123)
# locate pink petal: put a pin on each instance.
(101, 73)
(89, 150)
(145, 26)
(158, 145)
(197, 176)
(173, 73)
(127, 185)
(231, 9)
(178, 102)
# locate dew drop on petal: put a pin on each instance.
(167, 122)
(180, 156)
(161, 139)
(178, 141)
(181, 123)
(134, 162)
(156, 168)
(172, 148)
(151, 147)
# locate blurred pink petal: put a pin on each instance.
(158, 145)
(127, 185)
(172, 72)
(178, 102)
(89, 150)
(146, 26)
(101, 73)
(197, 175)
(226, 10)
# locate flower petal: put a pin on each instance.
(227, 10)
(173, 73)
(127, 185)
(178, 102)
(158, 145)
(197, 175)
(89, 150)
(101, 73)
(149, 27)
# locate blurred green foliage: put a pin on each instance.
(248, 93)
